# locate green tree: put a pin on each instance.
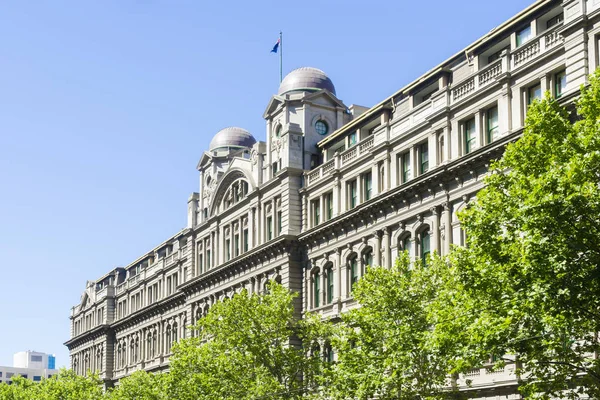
(387, 348)
(66, 385)
(248, 347)
(142, 385)
(532, 266)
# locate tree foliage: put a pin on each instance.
(248, 347)
(387, 348)
(532, 265)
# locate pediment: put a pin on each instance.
(326, 98)
(272, 106)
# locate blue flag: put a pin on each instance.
(276, 47)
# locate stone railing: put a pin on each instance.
(121, 287)
(366, 144)
(328, 166)
(101, 293)
(487, 376)
(481, 78)
(526, 53)
(537, 46)
(339, 160)
(463, 90)
(349, 155)
(488, 73)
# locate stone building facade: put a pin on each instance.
(335, 188)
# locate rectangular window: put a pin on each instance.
(207, 260)
(245, 240)
(406, 170)
(523, 35)
(328, 205)
(269, 228)
(560, 83)
(236, 245)
(36, 358)
(534, 93)
(423, 158)
(367, 185)
(274, 168)
(316, 207)
(555, 20)
(169, 287)
(201, 263)
(227, 250)
(316, 289)
(470, 135)
(37, 378)
(352, 139)
(492, 124)
(496, 56)
(329, 272)
(352, 194)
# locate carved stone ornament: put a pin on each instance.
(254, 157)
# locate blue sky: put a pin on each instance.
(107, 106)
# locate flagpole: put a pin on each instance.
(280, 57)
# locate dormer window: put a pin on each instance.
(523, 35)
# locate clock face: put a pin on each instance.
(321, 127)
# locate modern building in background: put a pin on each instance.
(336, 187)
(31, 365)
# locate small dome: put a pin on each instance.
(232, 137)
(306, 79)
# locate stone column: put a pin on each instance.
(377, 247)
(336, 197)
(387, 247)
(341, 287)
(435, 229)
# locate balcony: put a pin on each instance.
(487, 376)
(536, 47)
(341, 160)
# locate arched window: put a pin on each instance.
(168, 339)
(329, 283)
(424, 239)
(132, 352)
(99, 360)
(404, 244)
(154, 344)
(367, 257)
(328, 353)
(149, 346)
(353, 269)
(278, 130)
(316, 289)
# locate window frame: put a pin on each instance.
(532, 89)
(423, 153)
(352, 194)
(367, 183)
(489, 129)
(316, 289)
(424, 251)
(521, 41)
(405, 166)
(469, 136)
(329, 283)
(558, 87)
